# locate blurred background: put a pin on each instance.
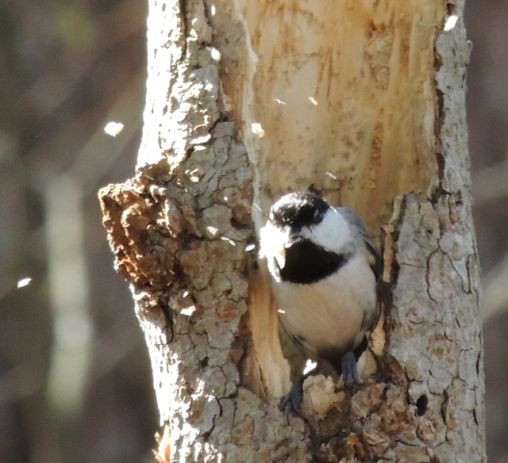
(75, 381)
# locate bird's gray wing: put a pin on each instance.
(357, 223)
(376, 263)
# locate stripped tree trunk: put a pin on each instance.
(364, 102)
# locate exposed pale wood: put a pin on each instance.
(266, 370)
(345, 94)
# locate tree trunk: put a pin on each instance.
(364, 102)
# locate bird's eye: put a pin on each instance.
(317, 215)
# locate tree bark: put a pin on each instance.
(364, 102)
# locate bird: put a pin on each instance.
(325, 273)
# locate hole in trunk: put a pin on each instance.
(421, 405)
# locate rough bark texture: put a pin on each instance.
(363, 101)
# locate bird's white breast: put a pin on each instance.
(328, 314)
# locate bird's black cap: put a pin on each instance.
(298, 210)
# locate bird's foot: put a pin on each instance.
(349, 370)
(292, 402)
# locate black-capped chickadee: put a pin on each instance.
(325, 271)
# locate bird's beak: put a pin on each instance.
(280, 257)
(280, 253)
(292, 239)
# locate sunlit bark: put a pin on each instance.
(364, 102)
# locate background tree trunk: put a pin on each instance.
(363, 101)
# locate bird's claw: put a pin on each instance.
(349, 370)
(292, 402)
